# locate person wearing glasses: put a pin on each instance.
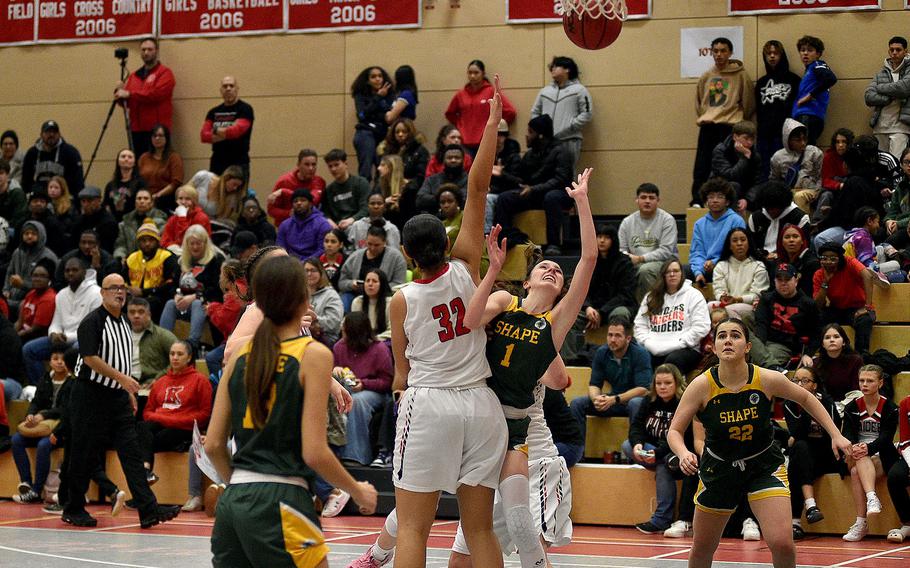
(103, 406)
(810, 449)
(842, 289)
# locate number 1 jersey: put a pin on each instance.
(442, 352)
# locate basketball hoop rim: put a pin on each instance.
(610, 9)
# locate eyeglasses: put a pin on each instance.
(905, 162)
(801, 381)
(828, 259)
(115, 289)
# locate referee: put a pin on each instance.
(102, 409)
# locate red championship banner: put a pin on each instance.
(534, 11)
(17, 21)
(326, 15)
(193, 18)
(738, 7)
(94, 20)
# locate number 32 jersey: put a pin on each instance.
(442, 352)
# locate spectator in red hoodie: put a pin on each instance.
(179, 398)
(469, 108)
(304, 175)
(188, 213)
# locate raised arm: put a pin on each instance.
(567, 309)
(485, 306)
(467, 244)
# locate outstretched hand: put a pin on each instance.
(495, 250)
(495, 102)
(580, 188)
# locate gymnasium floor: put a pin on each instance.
(31, 538)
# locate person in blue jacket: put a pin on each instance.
(811, 104)
(710, 232)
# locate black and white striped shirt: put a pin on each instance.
(108, 337)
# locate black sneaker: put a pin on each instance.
(53, 509)
(162, 514)
(82, 519)
(648, 528)
(814, 515)
(798, 532)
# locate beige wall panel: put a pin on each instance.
(617, 174)
(641, 118)
(474, 13)
(676, 9)
(847, 109)
(292, 64)
(628, 62)
(440, 56)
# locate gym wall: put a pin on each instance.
(644, 125)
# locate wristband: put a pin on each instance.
(617, 399)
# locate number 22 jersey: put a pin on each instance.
(442, 352)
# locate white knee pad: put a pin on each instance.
(391, 523)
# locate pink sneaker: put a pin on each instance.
(366, 560)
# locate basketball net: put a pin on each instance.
(610, 9)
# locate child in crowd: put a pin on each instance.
(187, 214)
(370, 361)
(776, 210)
(709, 231)
(838, 365)
(333, 257)
(798, 165)
(374, 301)
(647, 443)
(810, 449)
(44, 413)
(870, 422)
(739, 277)
(899, 476)
(813, 96)
(859, 243)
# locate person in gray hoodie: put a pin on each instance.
(648, 237)
(887, 95)
(798, 164)
(32, 248)
(568, 102)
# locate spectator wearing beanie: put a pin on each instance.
(152, 271)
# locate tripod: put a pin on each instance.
(126, 118)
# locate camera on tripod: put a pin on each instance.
(121, 53)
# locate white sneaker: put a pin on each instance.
(192, 504)
(873, 505)
(899, 535)
(679, 529)
(335, 503)
(857, 532)
(750, 530)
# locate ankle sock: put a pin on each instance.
(810, 502)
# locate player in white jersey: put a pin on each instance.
(550, 502)
(451, 433)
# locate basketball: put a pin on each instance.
(588, 32)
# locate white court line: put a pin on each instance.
(46, 555)
(666, 554)
(868, 556)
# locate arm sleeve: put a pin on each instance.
(597, 369)
(720, 279)
(641, 370)
(637, 432)
(873, 97)
(668, 242)
(642, 325)
(508, 110)
(825, 77)
(453, 111)
(584, 110)
(763, 317)
(399, 271)
(44, 313)
(206, 134)
(697, 253)
(699, 321)
(537, 108)
(760, 283)
(89, 337)
(240, 127)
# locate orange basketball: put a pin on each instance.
(591, 33)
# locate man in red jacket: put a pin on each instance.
(147, 92)
(304, 175)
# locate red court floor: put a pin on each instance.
(591, 546)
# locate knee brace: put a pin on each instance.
(524, 531)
